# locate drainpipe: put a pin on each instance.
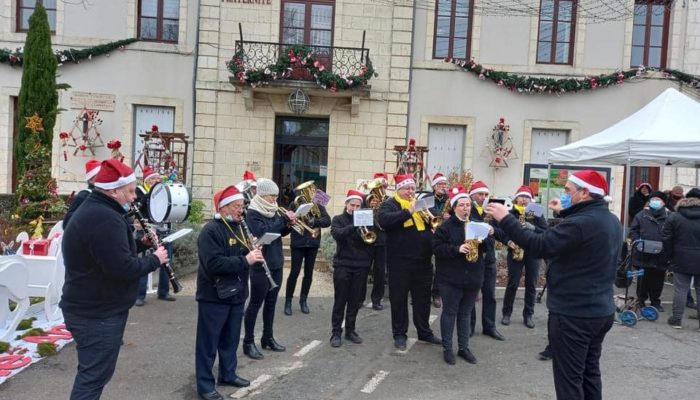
(194, 88)
(410, 72)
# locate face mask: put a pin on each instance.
(126, 207)
(656, 204)
(229, 218)
(565, 199)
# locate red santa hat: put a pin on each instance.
(437, 178)
(381, 175)
(404, 180)
(92, 167)
(354, 194)
(250, 177)
(149, 173)
(647, 184)
(226, 196)
(114, 174)
(456, 193)
(591, 180)
(524, 191)
(478, 187)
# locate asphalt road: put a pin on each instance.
(649, 361)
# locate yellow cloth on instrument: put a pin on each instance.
(416, 217)
(521, 209)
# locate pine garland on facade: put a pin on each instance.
(75, 56)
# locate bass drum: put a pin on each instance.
(169, 202)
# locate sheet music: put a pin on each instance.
(536, 209)
(425, 203)
(267, 238)
(303, 209)
(477, 230)
(363, 217)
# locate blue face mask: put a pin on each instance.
(229, 218)
(565, 199)
(656, 204)
(126, 207)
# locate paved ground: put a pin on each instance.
(649, 361)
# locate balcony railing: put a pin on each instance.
(258, 63)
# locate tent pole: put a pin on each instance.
(549, 182)
(628, 186)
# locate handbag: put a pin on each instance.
(228, 289)
(649, 246)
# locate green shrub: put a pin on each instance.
(185, 255)
(196, 212)
(46, 349)
(32, 332)
(328, 246)
(4, 346)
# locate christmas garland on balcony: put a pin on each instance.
(298, 56)
(75, 56)
(531, 84)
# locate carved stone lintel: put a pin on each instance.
(248, 98)
(355, 106)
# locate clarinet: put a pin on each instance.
(155, 243)
(251, 241)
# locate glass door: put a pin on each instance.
(301, 154)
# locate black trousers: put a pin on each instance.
(515, 271)
(308, 256)
(457, 305)
(415, 277)
(218, 331)
(378, 274)
(349, 284)
(650, 285)
(259, 294)
(98, 341)
(576, 345)
(488, 300)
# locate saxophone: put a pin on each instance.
(518, 252)
(472, 244)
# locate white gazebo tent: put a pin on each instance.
(666, 131)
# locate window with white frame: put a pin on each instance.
(544, 140)
(446, 148)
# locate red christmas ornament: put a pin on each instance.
(154, 128)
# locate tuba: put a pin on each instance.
(300, 226)
(376, 190)
(306, 191)
(472, 244)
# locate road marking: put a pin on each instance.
(376, 379)
(304, 350)
(240, 393)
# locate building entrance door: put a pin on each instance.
(301, 154)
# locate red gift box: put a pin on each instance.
(36, 247)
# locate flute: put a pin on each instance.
(155, 243)
(251, 241)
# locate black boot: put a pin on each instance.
(272, 344)
(251, 350)
(288, 306)
(303, 305)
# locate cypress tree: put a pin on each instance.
(38, 92)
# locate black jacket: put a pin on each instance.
(351, 250)
(440, 202)
(681, 236)
(451, 266)
(404, 244)
(75, 203)
(99, 252)
(490, 242)
(583, 253)
(306, 240)
(540, 226)
(637, 203)
(221, 258)
(647, 225)
(260, 225)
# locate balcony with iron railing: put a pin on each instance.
(278, 68)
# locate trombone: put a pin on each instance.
(300, 226)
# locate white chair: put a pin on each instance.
(46, 275)
(13, 286)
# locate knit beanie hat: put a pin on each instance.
(267, 187)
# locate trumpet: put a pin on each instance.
(368, 236)
(300, 226)
(429, 218)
